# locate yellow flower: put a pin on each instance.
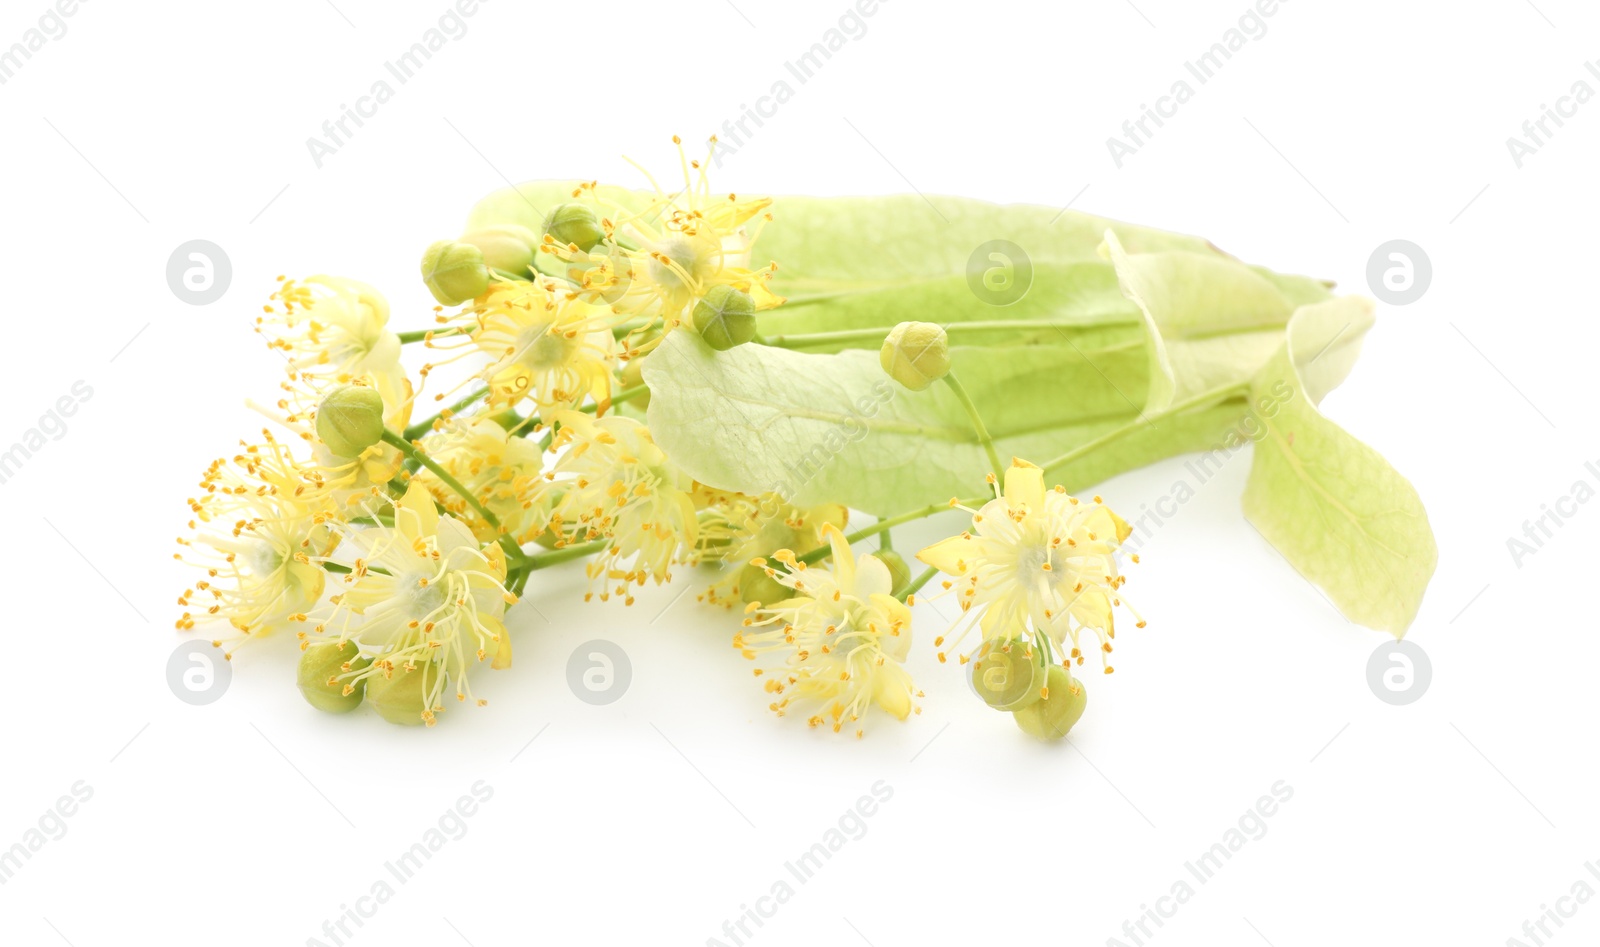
(505, 473)
(620, 486)
(659, 261)
(257, 529)
(546, 346)
(1036, 556)
(333, 327)
(347, 480)
(427, 595)
(736, 528)
(842, 638)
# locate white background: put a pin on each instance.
(655, 819)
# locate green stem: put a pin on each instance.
(877, 333)
(917, 583)
(423, 427)
(820, 553)
(977, 422)
(418, 335)
(626, 394)
(544, 560)
(1215, 396)
(410, 451)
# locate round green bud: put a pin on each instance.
(633, 377)
(323, 677)
(1008, 674)
(916, 354)
(725, 317)
(455, 272)
(575, 224)
(399, 698)
(508, 248)
(756, 586)
(1051, 717)
(350, 420)
(899, 572)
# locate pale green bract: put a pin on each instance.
(1130, 345)
(1335, 508)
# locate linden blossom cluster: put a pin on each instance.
(389, 548)
(387, 542)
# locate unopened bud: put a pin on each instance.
(323, 676)
(725, 317)
(575, 224)
(400, 698)
(1008, 673)
(899, 572)
(633, 377)
(916, 354)
(455, 272)
(350, 420)
(756, 586)
(1051, 717)
(507, 248)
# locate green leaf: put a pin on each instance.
(1210, 321)
(1336, 509)
(833, 428)
(861, 242)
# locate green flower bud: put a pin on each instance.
(725, 317)
(1008, 674)
(324, 678)
(899, 572)
(575, 224)
(756, 586)
(350, 420)
(916, 354)
(509, 248)
(633, 377)
(455, 272)
(1051, 717)
(399, 698)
